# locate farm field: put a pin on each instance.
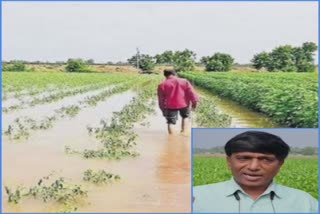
(97, 142)
(290, 99)
(93, 142)
(297, 172)
(105, 142)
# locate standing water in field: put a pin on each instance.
(158, 180)
(241, 117)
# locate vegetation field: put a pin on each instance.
(90, 130)
(297, 172)
(290, 99)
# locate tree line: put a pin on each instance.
(285, 58)
(308, 150)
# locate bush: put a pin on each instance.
(144, 62)
(15, 65)
(218, 62)
(77, 65)
(184, 60)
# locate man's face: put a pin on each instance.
(251, 169)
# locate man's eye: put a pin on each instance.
(268, 159)
(242, 158)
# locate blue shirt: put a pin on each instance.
(220, 197)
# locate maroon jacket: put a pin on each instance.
(176, 93)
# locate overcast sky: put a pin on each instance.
(111, 31)
(208, 138)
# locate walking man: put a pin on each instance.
(176, 95)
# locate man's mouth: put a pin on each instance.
(251, 176)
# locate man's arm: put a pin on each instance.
(161, 98)
(191, 95)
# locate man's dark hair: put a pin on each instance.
(257, 141)
(168, 72)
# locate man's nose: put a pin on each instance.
(254, 165)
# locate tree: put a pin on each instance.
(76, 65)
(260, 60)
(146, 62)
(308, 151)
(14, 65)
(218, 62)
(282, 59)
(287, 58)
(184, 60)
(166, 57)
(90, 61)
(304, 60)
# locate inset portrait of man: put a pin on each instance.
(254, 159)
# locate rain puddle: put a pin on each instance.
(156, 181)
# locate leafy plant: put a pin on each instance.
(99, 177)
(58, 190)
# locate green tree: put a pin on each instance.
(304, 60)
(144, 62)
(14, 65)
(260, 60)
(282, 59)
(308, 151)
(77, 65)
(218, 62)
(184, 60)
(166, 57)
(287, 58)
(90, 61)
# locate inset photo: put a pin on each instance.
(255, 170)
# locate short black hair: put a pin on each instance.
(168, 72)
(257, 141)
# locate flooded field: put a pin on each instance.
(241, 117)
(156, 181)
(117, 129)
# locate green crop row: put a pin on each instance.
(300, 173)
(117, 136)
(22, 127)
(291, 100)
(21, 81)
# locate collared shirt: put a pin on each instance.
(175, 93)
(220, 197)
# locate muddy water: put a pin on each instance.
(38, 112)
(242, 117)
(47, 92)
(156, 181)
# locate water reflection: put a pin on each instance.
(173, 172)
(156, 181)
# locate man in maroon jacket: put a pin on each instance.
(175, 95)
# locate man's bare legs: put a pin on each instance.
(184, 123)
(170, 128)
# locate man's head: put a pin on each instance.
(169, 72)
(255, 157)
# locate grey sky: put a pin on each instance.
(111, 31)
(208, 138)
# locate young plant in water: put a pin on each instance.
(60, 191)
(14, 196)
(99, 177)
